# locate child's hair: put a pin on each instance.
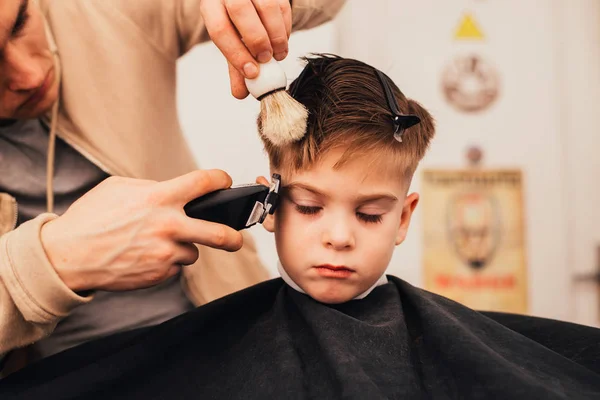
(347, 107)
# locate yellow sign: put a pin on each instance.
(468, 29)
(474, 241)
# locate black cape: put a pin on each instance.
(271, 342)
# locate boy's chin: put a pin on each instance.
(331, 295)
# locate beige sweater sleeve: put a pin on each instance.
(174, 27)
(32, 296)
(306, 14)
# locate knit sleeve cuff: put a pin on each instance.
(34, 285)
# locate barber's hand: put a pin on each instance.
(246, 31)
(262, 180)
(129, 234)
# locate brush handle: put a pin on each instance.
(271, 77)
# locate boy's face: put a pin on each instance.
(336, 229)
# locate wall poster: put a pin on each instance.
(474, 238)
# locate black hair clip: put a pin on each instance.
(401, 121)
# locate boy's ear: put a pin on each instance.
(269, 223)
(410, 203)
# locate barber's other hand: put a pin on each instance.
(246, 31)
(129, 234)
(262, 180)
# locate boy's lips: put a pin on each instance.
(40, 93)
(334, 271)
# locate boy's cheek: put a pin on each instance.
(379, 251)
(284, 223)
(286, 215)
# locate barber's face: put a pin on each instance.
(336, 229)
(28, 82)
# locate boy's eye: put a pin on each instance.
(370, 218)
(22, 18)
(312, 210)
(307, 209)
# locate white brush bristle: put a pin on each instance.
(283, 119)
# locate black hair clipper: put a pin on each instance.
(239, 207)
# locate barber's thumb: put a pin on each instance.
(197, 183)
(238, 84)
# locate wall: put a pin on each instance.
(579, 60)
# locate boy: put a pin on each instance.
(344, 206)
(338, 327)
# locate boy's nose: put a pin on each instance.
(338, 236)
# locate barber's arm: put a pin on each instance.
(124, 234)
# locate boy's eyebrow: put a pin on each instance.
(377, 196)
(298, 185)
(360, 199)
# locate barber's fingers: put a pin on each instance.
(185, 254)
(225, 36)
(246, 19)
(172, 271)
(271, 16)
(182, 254)
(184, 188)
(238, 85)
(286, 12)
(261, 180)
(207, 233)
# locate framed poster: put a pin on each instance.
(474, 238)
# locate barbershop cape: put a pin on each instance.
(273, 342)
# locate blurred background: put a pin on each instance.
(510, 212)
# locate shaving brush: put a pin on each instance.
(283, 119)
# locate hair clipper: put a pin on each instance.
(239, 207)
